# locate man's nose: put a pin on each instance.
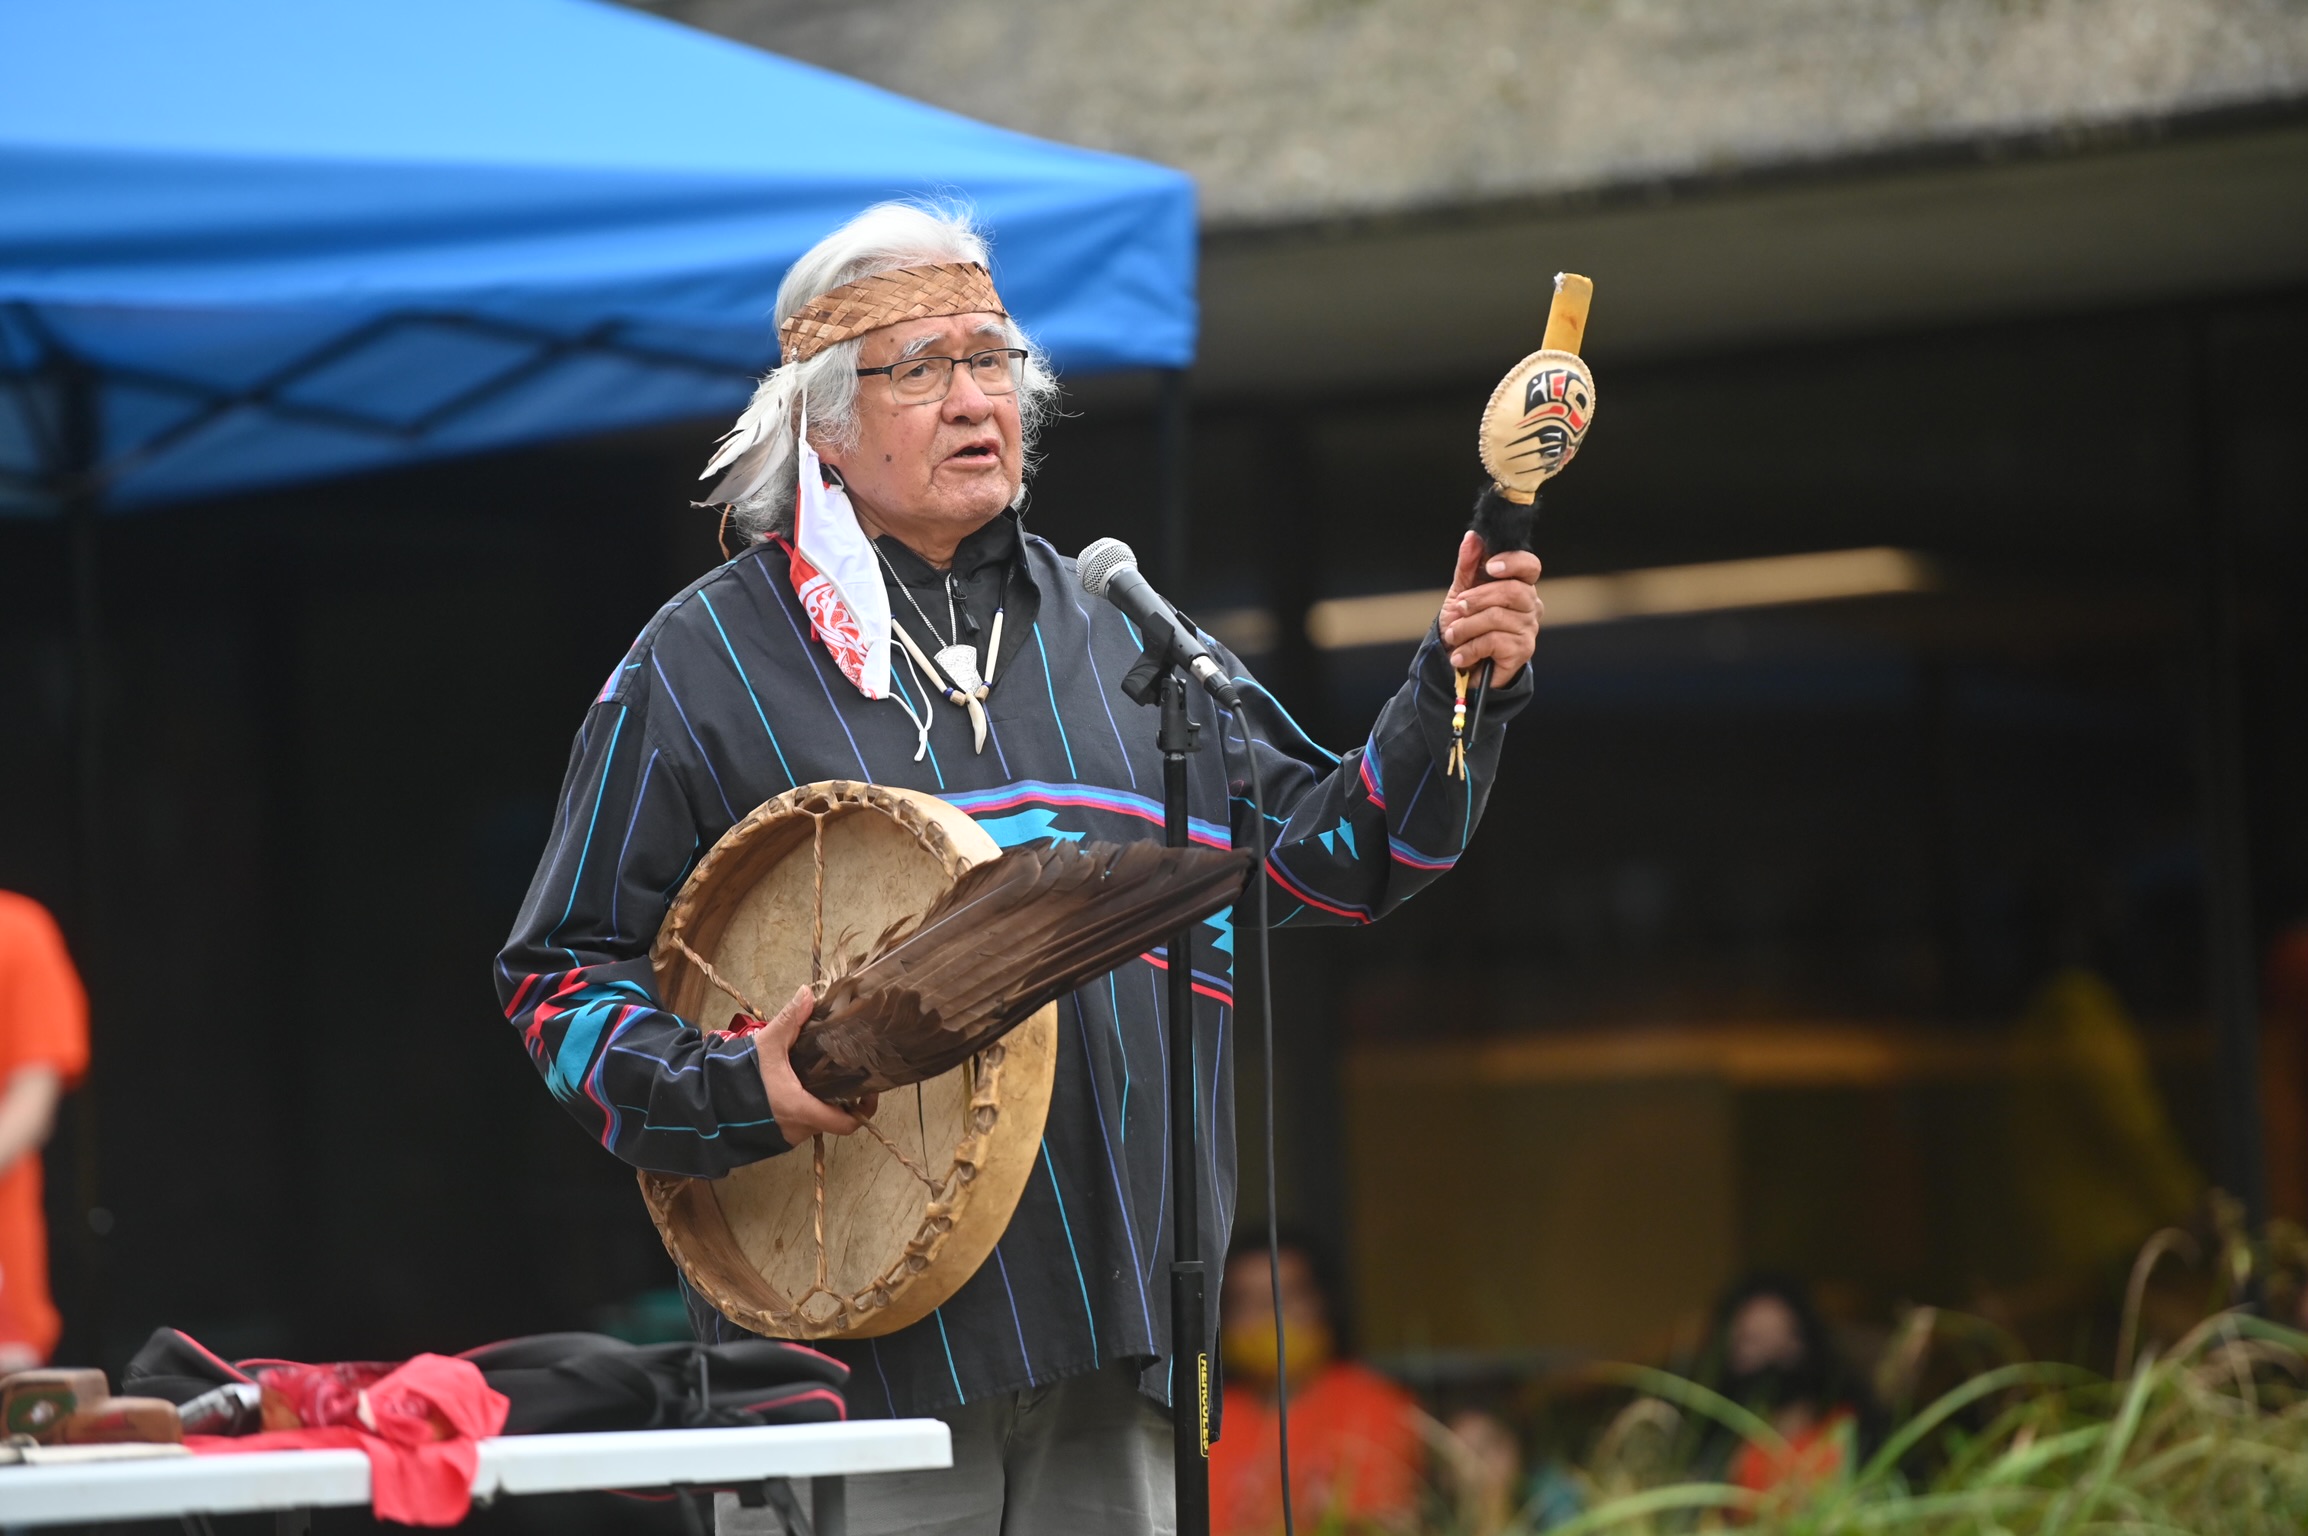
(965, 401)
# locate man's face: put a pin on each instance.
(934, 471)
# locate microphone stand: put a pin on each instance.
(1190, 1372)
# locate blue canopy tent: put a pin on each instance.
(244, 242)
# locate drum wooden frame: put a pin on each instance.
(853, 1236)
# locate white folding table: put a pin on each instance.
(293, 1482)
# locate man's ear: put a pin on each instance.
(825, 460)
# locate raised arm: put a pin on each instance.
(1353, 837)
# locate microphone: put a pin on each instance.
(1109, 570)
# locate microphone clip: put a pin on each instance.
(1142, 684)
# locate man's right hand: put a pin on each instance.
(800, 1113)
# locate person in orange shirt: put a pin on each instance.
(1356, 1456)
(43, 1050)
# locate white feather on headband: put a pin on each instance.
(749, 451)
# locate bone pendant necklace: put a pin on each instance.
(955, 667)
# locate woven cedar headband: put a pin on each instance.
(909, 293)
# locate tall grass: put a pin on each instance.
(2208, 1437)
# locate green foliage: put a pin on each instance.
(2206, 1437)
(2209, 1439)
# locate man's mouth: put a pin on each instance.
(977, 452)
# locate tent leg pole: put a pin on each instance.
(81, 444)
(1171, 420)
(2230, 961)
(82, 534)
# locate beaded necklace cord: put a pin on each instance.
(955, 667)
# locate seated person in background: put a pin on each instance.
(1356, 1456)
(1775, 1357)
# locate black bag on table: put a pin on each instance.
(559, 1383)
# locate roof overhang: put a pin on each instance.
(2144, 213)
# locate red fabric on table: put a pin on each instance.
(414, 1479)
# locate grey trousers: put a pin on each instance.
(1089, 1456)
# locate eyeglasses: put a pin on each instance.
(920, 380)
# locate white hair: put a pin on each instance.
(760, 452)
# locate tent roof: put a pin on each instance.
(299, 239)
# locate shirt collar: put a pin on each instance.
(995, 544)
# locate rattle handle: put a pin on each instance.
(1567, 319)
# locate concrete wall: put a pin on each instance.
(1288, 110)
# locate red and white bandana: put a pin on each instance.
(834, 573)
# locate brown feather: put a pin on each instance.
(1012, 934)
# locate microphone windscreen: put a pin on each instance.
(1098, 562)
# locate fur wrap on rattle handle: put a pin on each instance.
(1531, 429)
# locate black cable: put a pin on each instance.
(1482, 695)
(1266, 1022)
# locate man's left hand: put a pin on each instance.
(1493, 610)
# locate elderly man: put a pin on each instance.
(875, 483)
